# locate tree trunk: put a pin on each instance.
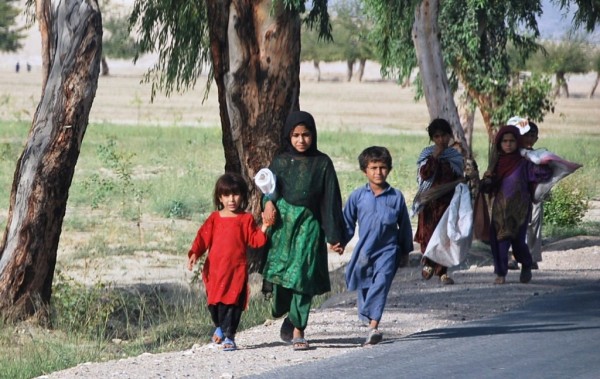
(255, 50)
(466, 113)
(105, 69)
(46, 166)
(436, 88)
(318, 68)
(561, 84)
(361, 68)
(595, 85)
(350, 71)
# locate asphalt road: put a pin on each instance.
(552, 336)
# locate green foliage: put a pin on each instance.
(10, 35)
(475, 36)
(118, 43)
(531, 98)
(391, 34)
(349, 37)
(101, 185)
(566, 56)
(567, 205)
(81, 310)
(587, 12)
(178, 32)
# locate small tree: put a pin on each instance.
(118, 42)
(348, 40)
(10, 34)
(560, 59)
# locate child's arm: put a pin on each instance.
(266, 223)
(192, 260)
(269, 213)
(201, 243)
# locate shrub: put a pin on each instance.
(566, 206)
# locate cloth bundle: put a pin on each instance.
(560, 168)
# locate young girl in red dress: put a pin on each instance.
(226, 234)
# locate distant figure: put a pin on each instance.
(28, 67)
(17, 67)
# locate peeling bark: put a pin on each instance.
(255, 50)
(72, 43)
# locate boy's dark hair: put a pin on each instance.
(439, 124)
(230, 183)
(533, 128)
(374, 154)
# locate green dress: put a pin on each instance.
(309, 209)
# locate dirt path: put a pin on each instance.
(413, 305)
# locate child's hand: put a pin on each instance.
(338, 248)
(269, 214)
(267, 221)
(192, 262)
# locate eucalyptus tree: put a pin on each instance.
(250, 49)
(71, 32)
(456, 42)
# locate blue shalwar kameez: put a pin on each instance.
(384, 236)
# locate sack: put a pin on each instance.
(451, 239)
(481, 222)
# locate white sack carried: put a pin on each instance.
(451, 239)
(265, 181)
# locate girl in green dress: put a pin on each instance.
(307, 210)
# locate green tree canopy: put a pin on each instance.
(10, 34)
(566, 56)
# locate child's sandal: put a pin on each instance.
(218, 336)
(229, 345)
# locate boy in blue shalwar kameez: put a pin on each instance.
(384, 238)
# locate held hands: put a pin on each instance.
(338, 248)
(269, 214)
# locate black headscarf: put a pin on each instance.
(294, 119)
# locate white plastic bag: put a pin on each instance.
(452, 237)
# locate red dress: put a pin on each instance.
(225, 273)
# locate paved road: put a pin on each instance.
(553, 336)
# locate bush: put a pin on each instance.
(566, 206)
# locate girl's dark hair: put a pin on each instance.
(439, 124)
(231, 183)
